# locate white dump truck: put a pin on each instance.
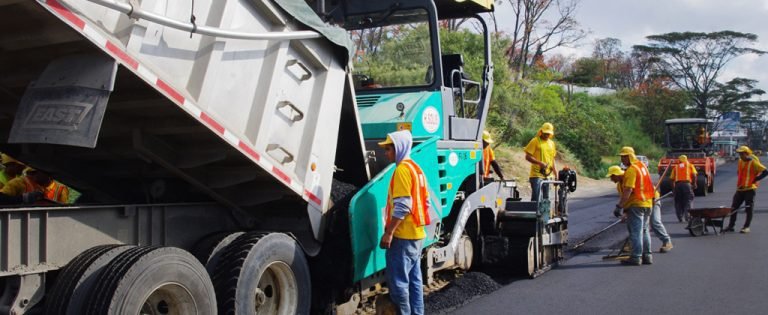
(225, 152)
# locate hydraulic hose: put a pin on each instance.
(138, 13)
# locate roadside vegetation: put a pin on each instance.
(641, 88)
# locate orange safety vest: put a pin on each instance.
(683, 172)
(487, 161)
(746, 175)
(56, 192)
(644, 189)
(419, 195)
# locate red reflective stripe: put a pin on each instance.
(281, 175)
(176, 96)
(249, 151)
(132, 63)
(214, 124)
(312, 197)
(64, 12)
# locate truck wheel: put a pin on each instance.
(77, 278)
(263, 274)
(209, 249)
(153, 280)
(701, 186)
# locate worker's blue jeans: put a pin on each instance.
(537, 188)
(404, 276)
(658, 227)
(637, 223)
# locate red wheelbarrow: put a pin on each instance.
(702, 219)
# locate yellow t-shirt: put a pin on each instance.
(402, 188)
(543, 151)
(630, 175)
(15, 187)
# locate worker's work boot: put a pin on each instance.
(728, 229)
(632, 261)
(744, 230)
(666, 247)
(647, 260)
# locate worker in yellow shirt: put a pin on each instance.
(683, 177)
(12, 169)
(24, 189)
(407, 213)
(637, 200)
(489, 159)
(750, 172)
(540, 152)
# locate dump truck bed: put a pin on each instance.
(189, 117)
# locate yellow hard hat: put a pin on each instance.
(487, 136)
(5, 159)
(744, 149)
(683, 158)
(614, 170)
(627, 151)
(547, 128)
(386, 142)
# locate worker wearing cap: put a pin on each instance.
(407, 212)
(489, 158)
(540, 152)
(637, 200)
(750, 171)
(683, 177)
(13, 169)
(52, 190)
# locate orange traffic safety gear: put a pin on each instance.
(419, 206)
(683, 172)
(746, 175)
(487, 154)
(57, 192)
(644, 189)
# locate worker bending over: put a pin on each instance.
(489, 159)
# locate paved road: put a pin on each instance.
(704, 275)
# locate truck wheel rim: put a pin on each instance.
(277, 291)
(172, 299)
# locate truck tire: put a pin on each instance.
(263, 273)
(153, 280)
(75, 280)
(209, 249)
(701, 186)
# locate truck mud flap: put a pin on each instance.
(66, 104)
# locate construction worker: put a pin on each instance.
(53, 191)
(13, 169)
(489, 159)
(702, 137)
(683, 177)
(750, 171)
(540, 152)
(24, 189)
(407, 213)
(637, 199)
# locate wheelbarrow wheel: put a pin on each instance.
(696, 226)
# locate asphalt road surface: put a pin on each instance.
(710, 274)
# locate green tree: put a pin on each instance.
(738, 95)
(694, 61)
(653, 102)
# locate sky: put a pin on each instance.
(632, 20)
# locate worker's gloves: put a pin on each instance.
(31, 197)
(617, 211)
